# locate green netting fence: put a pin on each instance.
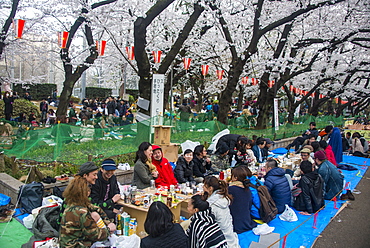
(73, 143)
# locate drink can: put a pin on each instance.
(132, 225)
(152, 184)
(222, 175)
(172, 188)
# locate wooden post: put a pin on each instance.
(2, 162)
(90, 158)
(14, 165)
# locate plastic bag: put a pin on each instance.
(288, 214)
(132, 241)
(263, 229)
(48, 243)
(215, 139)
(189, 145)
(4, 200)
(28, 221)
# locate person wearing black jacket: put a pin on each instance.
(201, 163)
(184, 167)
(105, 192)
(311, 198)
(306, 135)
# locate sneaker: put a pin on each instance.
(351, 197)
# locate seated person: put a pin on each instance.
(201, 163)
(105, 192)
(184, 167)
(257, 150)
(278, 185)
(162, 230)
(311, 198)
(305, 156)
(299, 140)
(309, 141)
(328, 151)
(221, 160)
(332, 177)
(80, 219)
(166, 176)
(203, 230)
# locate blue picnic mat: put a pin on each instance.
(304, 233)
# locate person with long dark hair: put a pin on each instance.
(161, 229)
(203, 231)
(144, 170)
(219, 199)
(240, 208)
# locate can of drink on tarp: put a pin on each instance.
(132, 225)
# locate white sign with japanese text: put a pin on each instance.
(156, 106)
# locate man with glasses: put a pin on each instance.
(105, 192)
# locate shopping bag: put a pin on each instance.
(47, 243)
(288, 214)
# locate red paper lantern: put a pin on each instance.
(18, 25)
(220, 74)
(254, 81)
(157, 56)
(304, 92)
(291, 88)
(244, 80)
(205, 70)
(271, 83)
(62, 39)
(186, 63)
(130, 53)
(100, 47)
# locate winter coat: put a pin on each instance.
(200, 166)
(220, 208)
(142, 175)
(173, 238)
(111, 107)
(255, 198)
(8, 105)
(311, 198)
(166, 176)
(330, 155)
(230, 140)
(103, 191)
(204, 232)
(333, 179)
(184, 170)
(279, 188)
(240, 208)
(336, 144)
(259, 155)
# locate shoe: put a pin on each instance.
(344, 197)
(351, 197)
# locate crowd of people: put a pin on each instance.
(226, 207)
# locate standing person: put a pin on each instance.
(201, 163)
(44, 110)
(332, 177)
(111, 109)
(166, 176)
(105, 192)
(219, 199)
(336, 143)
(278, 185)
(55, 93)
(27, 96)
(203, 231)
(241, 205)
(311, 198)
(72, 115)
(122, 108)
(161, 229)
(232, 141)
(8, 105)
(144, 170)
(184, 168)
(79, 223)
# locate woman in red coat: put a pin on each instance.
(329, 152)
(166, 176)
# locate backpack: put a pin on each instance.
(30, 196)
(267, 209)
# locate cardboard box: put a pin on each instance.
(171, 151)
(162, 135)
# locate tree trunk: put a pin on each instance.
(7, 24)
(240, 98)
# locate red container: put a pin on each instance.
(222, 175)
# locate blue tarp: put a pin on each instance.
(304, 233)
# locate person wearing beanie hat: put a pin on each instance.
(105, 192)
(221, 158)
(89, 171)
(332, 177)
(166, 176)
